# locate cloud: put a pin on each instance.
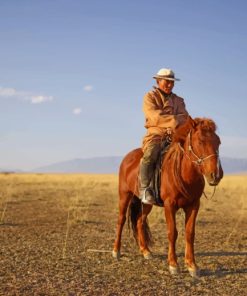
(77, 111)
(7, 92)
(40, 99)
(88, 88)
(24, 95)
(11, 92)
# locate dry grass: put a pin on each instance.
(57, 232)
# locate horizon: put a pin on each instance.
(73, 74)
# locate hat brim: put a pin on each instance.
(166, 78)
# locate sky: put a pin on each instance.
(73, 73)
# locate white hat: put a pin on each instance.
(166, 74)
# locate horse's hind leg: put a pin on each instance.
(143, 232)
(124, 199)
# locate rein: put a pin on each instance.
(212, 195)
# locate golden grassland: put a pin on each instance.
(71, 190)
(67, 190)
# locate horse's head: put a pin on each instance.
(200, 143)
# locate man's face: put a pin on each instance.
(166, 85)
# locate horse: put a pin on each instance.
(192, 158)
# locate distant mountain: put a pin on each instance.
(96, 165)
(110, 165)
(234, 165)
(10, 171)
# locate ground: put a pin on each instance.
(57, 233)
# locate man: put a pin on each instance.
(163, 111)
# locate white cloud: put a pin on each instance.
(7, 92)
(12, 92)
(40, 99)
(88, 88)
(77, 111)
(24, 95)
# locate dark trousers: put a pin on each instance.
(148, 162)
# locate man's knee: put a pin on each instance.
(151, 154)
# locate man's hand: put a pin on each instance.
(169, 131)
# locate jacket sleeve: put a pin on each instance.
(155, 117)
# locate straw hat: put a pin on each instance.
(166, 74)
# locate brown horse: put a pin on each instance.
(192, 156)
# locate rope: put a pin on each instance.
(211, 197)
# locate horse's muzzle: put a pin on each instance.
(214, 179)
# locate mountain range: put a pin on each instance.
(96, 165)
(110, 165)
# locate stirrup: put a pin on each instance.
(148, 196)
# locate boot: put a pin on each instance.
(146, 193)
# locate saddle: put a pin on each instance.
(156, 179)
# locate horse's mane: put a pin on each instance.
(203, 124)
(175, 154)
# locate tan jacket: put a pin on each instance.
(161, 113)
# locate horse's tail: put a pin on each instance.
(134, 212)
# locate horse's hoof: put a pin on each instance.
(174, 270)
(116, 254)
(147, 255)
(194, 272)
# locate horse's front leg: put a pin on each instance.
(190, 220)
(170, 214)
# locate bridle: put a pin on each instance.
(200, 160)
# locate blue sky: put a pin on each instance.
(73, 73)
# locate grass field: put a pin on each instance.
(57, 233)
